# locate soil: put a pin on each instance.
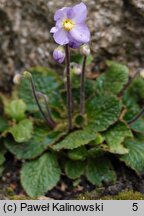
(10, 187)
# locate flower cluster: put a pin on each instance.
(70, 28)
(71, 31)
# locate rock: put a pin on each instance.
(116, 30)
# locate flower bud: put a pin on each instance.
(27, 75)
(42, 96)
(59, 54)
(77, 69)
(85, 50)
(142, 73)
(17, 79)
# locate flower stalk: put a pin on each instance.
(136, 117)
(29, 76)
(49, 117)
(82, 87)
(68, 87)
(128, 84)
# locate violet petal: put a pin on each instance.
(78, 13)
(61, 37)
(80, 33)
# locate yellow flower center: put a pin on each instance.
(68, 24)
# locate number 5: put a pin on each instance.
(135, 207)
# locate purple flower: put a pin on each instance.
(70, 26)
(59, 54)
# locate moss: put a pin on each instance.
(89, 195)
(19, 197)
(124, 195)
(9, 194)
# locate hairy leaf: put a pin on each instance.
(22, 131)
(136, 89)
(115, 136)
(131, 105)
(40, 141)
(3, 124)
(78, 153)
(74, 169)
(135, 157)
(47, 82)
(100, 170)
(41, 175)
(1, 170)
(114, 79)
(2, 158)
(103, 111)
(138, 126)
(76, 139)
(16, 109)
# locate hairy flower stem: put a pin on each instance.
(136, 117)
(68, 87)
(82, 87)
(49, 116)
(49, 123)
(128, 84)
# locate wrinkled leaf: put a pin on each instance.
(138, 126)
(115, 136)
(114, 79)
(41, 175)
(74, 169)
(132, 107)
(16, 109)
(47, 82)
(78, 153)
(22, 131)
(100, 170)
(103, 111)
(76, 139)
(136, 89)
(2, 158)
(3, 124)
(40, 141)
(135, 158)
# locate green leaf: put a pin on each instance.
(115, 136)
(114, 79)
(95, 152)
(2, 158)
(138, 126)
(76, 139)
(89, 59)
(132, 106)
(80, 120)
(103, 111)
(135, 158)
(136, 89)
(3, 124)
(22, 131)
(78, 58)
(1, 170)
(16, 109)
(74, 169)
(41, 139)
(100, 170)
(78, 153)
(47, 82)
(41, 175)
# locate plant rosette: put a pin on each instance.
(74, 127)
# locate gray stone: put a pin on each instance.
(117, 32)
